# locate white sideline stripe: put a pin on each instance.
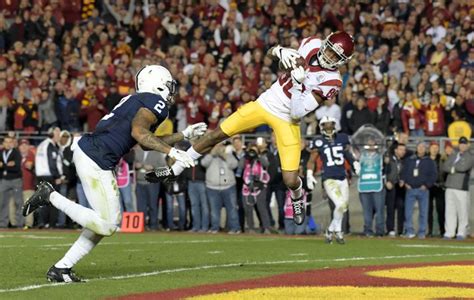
(144, 243)
(298, 254)
(31, 236)
(230, 265)
(436, 246)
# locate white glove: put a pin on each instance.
(194, 130)
(182, 156)
(310, 180)
(298, 75)
(356, 166)
(287, 56)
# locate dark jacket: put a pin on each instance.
(13, 172)
(359, 118)
(393, 169)
(197, 173)
(427, 173)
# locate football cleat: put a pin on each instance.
(340, 237)
(328, 235)
(299, 211)
(61, 275)
(39, 198)
(161, 174)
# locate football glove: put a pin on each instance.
(182, 156)
(194, 130)
(310, 180)
(287, 56)
(356, 166)
(298, 75)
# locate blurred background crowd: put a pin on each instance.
(65, 64)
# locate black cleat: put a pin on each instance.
(39, 198)
(61, 275)
(340, 238)
(299, 211)
(161, 174)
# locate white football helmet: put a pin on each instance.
(157, 80)
(327, 131)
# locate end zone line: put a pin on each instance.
(230, 265)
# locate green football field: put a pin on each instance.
(133, 263)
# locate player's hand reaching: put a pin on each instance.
(182, 156)
(310, 180)
(287, 56)
(194, 130)
(298, 75)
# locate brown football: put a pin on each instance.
(299, 62)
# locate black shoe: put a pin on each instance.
(161, 174)
(61, 275)
(39, 198)
(299, 211)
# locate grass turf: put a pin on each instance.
(184, 260)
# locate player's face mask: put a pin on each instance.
(172, 87)
(329, 129)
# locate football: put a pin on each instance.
(299, 62)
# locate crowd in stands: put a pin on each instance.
(66, 64)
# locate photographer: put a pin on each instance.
(254, 190)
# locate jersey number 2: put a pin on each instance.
(335, 156)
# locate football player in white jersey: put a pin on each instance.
(282, 106)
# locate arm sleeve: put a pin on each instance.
(301, 103)
(217, 37)
(448, 163)
(466, 166)
(264, 161)
(146, 8)
(206, 161)
(231, 161)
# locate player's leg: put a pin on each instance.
(102, 220)
(288, 139)
(338, 192)
(244, 119)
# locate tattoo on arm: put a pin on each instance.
(141, 124)
(173, 138)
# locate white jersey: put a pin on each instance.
(326, 83)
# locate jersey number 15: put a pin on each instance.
(334, 155)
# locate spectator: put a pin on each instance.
(175, 192)
(418, 176)
(458, 166)
(411, 116)
(275, 185)
(360, 116)
(220, 186)
(395, 193)
(11, 185)
(433, 123)
(330, 109)
(147, 193)
(371, 190)
(125, 174)
(27, 170)
(436, 200)
(254, 189)
(458, 128)
(196, 177)
(48, 166)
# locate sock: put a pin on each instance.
(83, 216)
(178, 167)
(298, 193)
(84, 244)
(337, 219)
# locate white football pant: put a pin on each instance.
(338, 193)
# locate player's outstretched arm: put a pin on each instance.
(141, 124)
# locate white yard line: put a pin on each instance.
(231, 265)
(436, 246)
